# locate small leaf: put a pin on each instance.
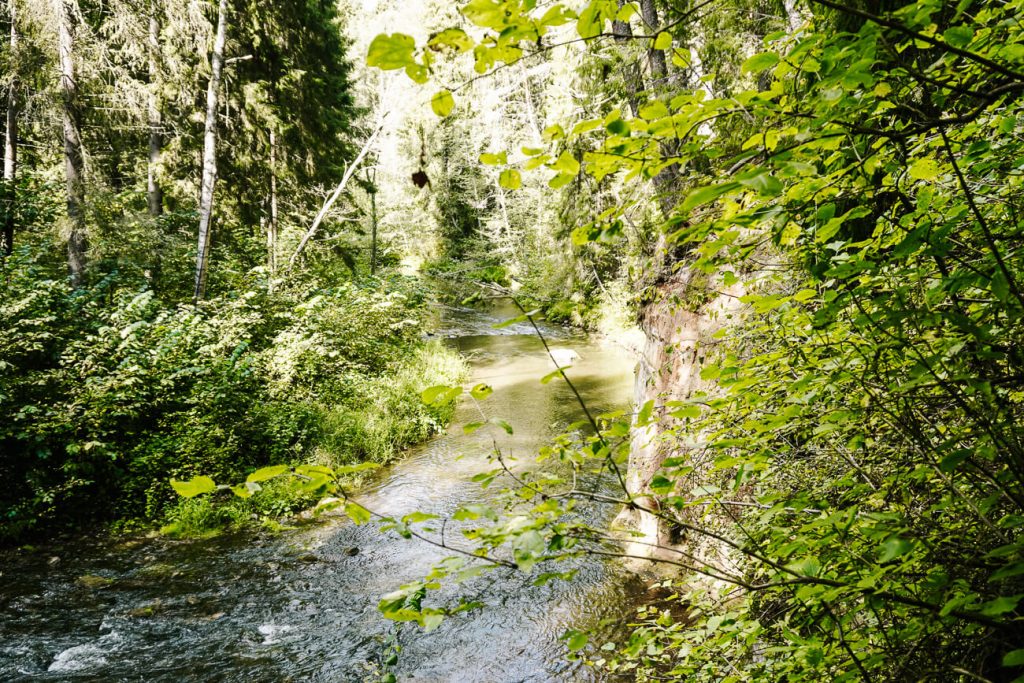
(703, 195)
(575, 640)
(454, 38)
(1014, 658)
(893, 548)
(501, 423)
(760, 62)
(440, 395)
(566, 163)
(357, 513)
(499, 159)
(958, 36)
(352, 469)
(663, 41)
(481, 391)
(442, 103)
(661, 485)
(245, 490)
(193, 487)
(552, 375)
(924, 169)
(510, 179)
(266, 473)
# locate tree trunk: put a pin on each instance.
(631, 75)
(373, 225)
(659, 67)
(272, 225)
(666, 182)
(11, 143)
(154, 194)
(74, 161)
(210, 153)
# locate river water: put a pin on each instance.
(301, 605)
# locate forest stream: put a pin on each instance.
(302, 605)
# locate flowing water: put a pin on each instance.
(302, 605)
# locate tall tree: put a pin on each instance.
(11, 139)
(154, 193)
(210, 152)
(66, 12)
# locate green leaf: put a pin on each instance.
(357, 513)
(575, 640)
(266, 473)
(703, 195)
(394, 51)
(440, 395)
(471, 427)
(591, 20)
(518, 319)
(552, 133)
(566, 163)
(958, 36)
(552, 375)
(486, 13)
(760, 62)
(499, 159)
(352, 469)
(510, 179)
(442, 103)
(661, 485)
(1014, 658)
(1001, 605)
(501, 423)
(893, 548)
(431, 619)
(418, 73)
(193, 487)
(454, 38)
(245, 490)
(618, 127)
(663, 41)
(481, 391)
(924, 169)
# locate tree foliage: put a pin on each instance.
(859, 466)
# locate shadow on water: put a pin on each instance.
(302, 606)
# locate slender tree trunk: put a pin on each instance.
(666, 182)
(272, 225)
(659, 66)
(11, 143)
(210, 153)
(74, 160)
(631, 75)
(373, 224)
(154, 193)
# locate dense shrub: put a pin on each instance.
(108, 392)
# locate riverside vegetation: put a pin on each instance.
(813, 210)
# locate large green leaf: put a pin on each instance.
(394, 51)
(193, 487)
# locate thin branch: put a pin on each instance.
(349, 172)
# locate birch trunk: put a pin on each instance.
(74, 160)
(210, 154)
(272, 225)
(154, 193)
(11, 142)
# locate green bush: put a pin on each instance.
(110, 392)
